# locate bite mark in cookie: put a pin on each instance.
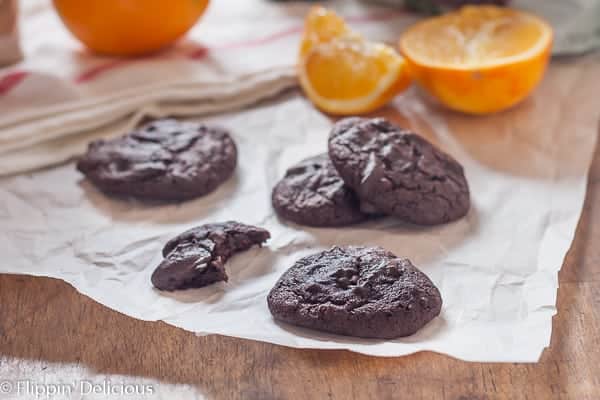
(197, 257)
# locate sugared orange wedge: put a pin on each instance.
(479, 59)
(341, 72)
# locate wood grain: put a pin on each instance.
(46, 319)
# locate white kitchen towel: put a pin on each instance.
(61, 96)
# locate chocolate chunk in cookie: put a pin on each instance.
(312, 193)
(197, 257)
(165, 160)
(356, 291)
(398, 172)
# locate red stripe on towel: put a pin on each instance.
(9, 81)
(202, 51)
(94, 72)
(199, 53)
(359, 19)
(261, 40)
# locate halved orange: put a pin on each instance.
(341, 72)
(479, 59)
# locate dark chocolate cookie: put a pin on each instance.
(197, 257)
(398, 172)
(312, 193)
(163, 160)
(356, 291)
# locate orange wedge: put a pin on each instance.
(479, 59)
(341, 72)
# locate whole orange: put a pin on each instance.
(129, 27)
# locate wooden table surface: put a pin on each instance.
(45, 324)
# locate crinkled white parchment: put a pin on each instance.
(496, 268)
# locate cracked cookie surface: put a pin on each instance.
(165, 160)
(398, 172)
(197, 257)
(312, 193)
(356, 291)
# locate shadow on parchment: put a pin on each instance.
(421, 244)
(132, 210)
(428, 332)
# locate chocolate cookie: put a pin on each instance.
(163, 160)
(355, 291)
(197, 257)
(398, 172)
(312, 193)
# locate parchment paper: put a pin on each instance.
(496, 268)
